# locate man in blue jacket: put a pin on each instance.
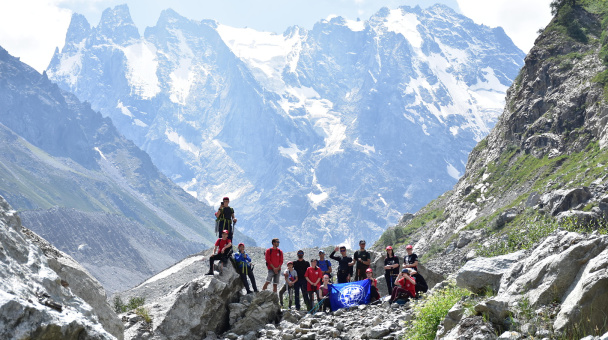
(243, 263)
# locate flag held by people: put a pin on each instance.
(343, 295)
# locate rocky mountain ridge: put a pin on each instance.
(81, 185)
(338, 128)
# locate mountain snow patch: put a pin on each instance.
(141, 69)
(405, 25)
(452, 171)
(291, 152)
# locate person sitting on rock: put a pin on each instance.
(374, 285)
(405, 286)
(221, 251)
(313, 277)
(411, 259)
(345, 265)
(291, 277)
(274, 262)
(421, 286)
(391, 268)
(245, 268)
(324, 289)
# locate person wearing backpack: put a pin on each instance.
(324, 264)
(313, 278)
(391, 268)
(245, 268)
(410, 260)
(226, 219)
(217, 218)
(405, 286)
(274, 262)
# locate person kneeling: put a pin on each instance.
(405, 286)
(221, 251)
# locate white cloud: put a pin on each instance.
(31, 29)
(521, 19)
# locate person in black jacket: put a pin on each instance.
(421, 285)
(391, 268)
(300, 266)
(345, 265)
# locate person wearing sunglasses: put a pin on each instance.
(345, 264)
(300, 266)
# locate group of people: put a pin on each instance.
(312, 279)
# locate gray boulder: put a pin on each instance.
(257, 310)
(33, 302)
(81, 282)
(472, 327)
(431, 276)
(480, 273)
(565, 199)
(586, 301)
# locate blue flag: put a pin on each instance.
(343, 295)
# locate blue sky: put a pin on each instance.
(31, 29)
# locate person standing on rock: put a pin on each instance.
(226, 219)
(291, 277)
(217, 218)
(243, 262)
(324, 264)
(345, 265)
(313, 279)
(410, 260)
(324, 289)
(391, 268)
(221, 251)
(374, 287)
(362, 259)
(274, 262)
(404, 285)
(300, 266)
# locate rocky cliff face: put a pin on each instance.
(44, 293)
(543, 167)
(338, 128)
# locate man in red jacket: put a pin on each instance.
(221, 251)
(405, 284)
(274, 262)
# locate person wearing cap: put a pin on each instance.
(221, 251)
(300, 266)
(274, 262)
(374, 287)
(391, 268)
(291, 277)
(410, 260)
(245, 268)
(324, 264)
(405, 285)
(362, 259)
(345, 264)
(225, 217)
(313, 278)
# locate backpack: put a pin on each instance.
(270, 255)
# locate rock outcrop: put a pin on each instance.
(34, 300)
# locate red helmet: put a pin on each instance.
(241, 244)
(226, 199)
(369, 270)
(225, 231)
(290, 263)
(389, 248)
(409, 246)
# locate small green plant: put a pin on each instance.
(134, 303)
(144, 313)
(431, 311)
